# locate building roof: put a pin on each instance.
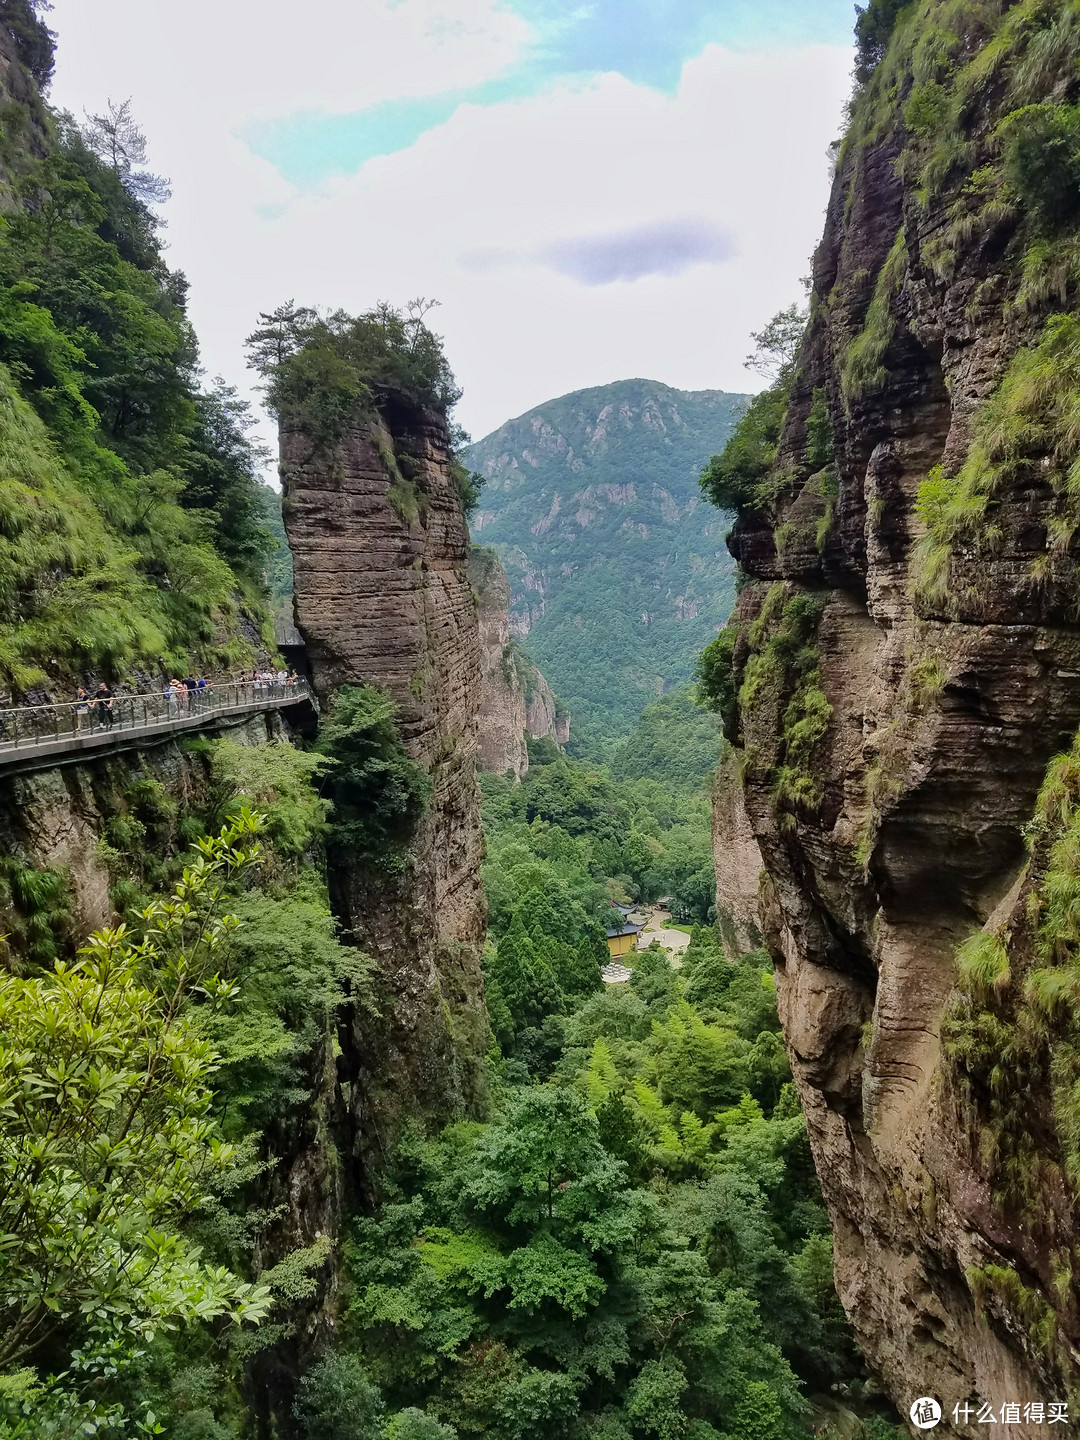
(625, 930)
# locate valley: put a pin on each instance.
(624, 986)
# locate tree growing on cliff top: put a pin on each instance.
(34, 41)
(320, 370)
(118, 143)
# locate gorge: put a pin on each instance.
(321, 1114)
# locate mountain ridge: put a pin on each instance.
(618, 570)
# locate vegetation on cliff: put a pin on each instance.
(910, 488)
(320, 370)
(133, 532)
(168, 1070)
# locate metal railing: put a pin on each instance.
(26, 726)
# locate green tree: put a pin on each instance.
(759, 1416)
(34, 41)
(378, 792)
(221, 480)
(526, 980)
(106, 1131)
(544, 1165)
(337, 1401)
(118, 143)
(873, 29)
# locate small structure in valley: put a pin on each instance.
(622, 939)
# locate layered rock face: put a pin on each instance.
(57, 819)
(380, 549)
(737, 860)
(907, 663)
(515, 699)
(545, 718)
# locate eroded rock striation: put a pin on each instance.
(380, 549)
(515, 699)
(737, 860)
(907, 665)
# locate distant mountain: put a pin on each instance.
(618, 570)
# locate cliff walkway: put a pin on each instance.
(34, 735)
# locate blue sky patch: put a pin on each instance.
(646, 41)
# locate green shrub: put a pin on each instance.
(378, 792)
(819, 439)
(784, 669)
(1033, 413)
(983, 963)
(336, 1401)
(1042, 161)
(737, 479)
(715, 678)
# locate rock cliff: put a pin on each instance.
(907, 665)
(737, 860)
(58, 819)
(515, 699)
(380, 547)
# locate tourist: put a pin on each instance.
(82, 707)
(103, 705)
(172, 698)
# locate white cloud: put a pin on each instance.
(741, 147)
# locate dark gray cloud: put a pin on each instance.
(662, 247)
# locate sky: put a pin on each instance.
(591, 189)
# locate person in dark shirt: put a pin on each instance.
(103, 704)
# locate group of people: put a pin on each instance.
(265, 679)
(95, 708)
(179, 694)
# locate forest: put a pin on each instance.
(632, 1244)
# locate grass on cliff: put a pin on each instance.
(131, 519)
(1013, 1029)
(1027, 432)
(785, 711)
(77, 593)
(862, 369)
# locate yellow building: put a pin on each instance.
(623, 941)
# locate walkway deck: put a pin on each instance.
(34, 736)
